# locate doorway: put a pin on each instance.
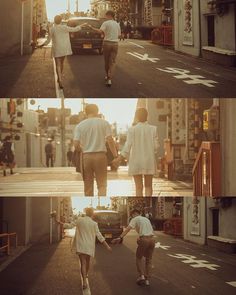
(211, 30)
(215, 222)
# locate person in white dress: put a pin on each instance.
(61, 46)
(140, 149)
(85, 238)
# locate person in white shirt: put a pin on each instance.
(146, 245)
(61, 46)
(90, 137)
(140, 149)
(112, 32)
(85, 238)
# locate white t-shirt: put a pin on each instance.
(142, 225)
(111, 30)
(92, 134)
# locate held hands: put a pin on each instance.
(116, 162)
(115, 241)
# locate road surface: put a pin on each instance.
(179, 268)
(144, 70)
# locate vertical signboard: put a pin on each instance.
(188, 22)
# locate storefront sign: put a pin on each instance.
(188, 22)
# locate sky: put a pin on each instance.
(55, 7)
(120, 110)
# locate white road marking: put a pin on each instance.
(144, 57)
(233, 284)
(184, 75)
(59, 92)
(158, 245)
(195, 263)
(140, 46)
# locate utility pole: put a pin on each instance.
(63, 131)
(68, 6)
(77, 6)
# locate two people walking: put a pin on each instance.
(85, 238)
(59, 34)
(90, 138)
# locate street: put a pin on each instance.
(54, 269)
(143, 70)
(61, 181)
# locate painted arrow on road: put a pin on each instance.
(144, 56)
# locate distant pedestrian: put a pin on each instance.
(69, 155)
(61, 46)
(90, 137)
(85, 238)
(122, 29)
(128, 29)
(146, 245)
(112, 32)
(49, 154)
(44, 28)
(141, 148)
(7, 154)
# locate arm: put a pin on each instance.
(156, 141)
(77, 145)
(112, 146)
(125, 232)
(101, 238)
(75, 29)
(77, 139)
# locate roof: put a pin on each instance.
(84, 17)
(105, 211)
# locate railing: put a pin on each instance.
(174, 226)
(7, 246)
(163, 35)
(206, 170)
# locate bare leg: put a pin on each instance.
(148, 185)
(138, 179)
(83, 269)
(87, 265)
(59, 71)
(62, 59)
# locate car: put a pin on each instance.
(109, 223)
(87, 38)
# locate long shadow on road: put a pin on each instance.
(43, 269)
(115, 274)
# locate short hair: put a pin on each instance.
(8, 137)
(89, 211)
(135, 211)
(91, 109)
(110, 13)
(57, 19)
(141, 115)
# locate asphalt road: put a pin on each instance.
(64, 181)
(54, 270)
(143, 70)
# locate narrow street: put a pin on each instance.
(178, 268)
(61, 181)
(143, 70)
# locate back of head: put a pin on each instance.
(89, 211)
(57, 19)
(135, 212)
(110, 14)
(141, 115)
(91, 109)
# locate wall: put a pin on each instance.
(10, 18)
(179, 28)
(227, 221)
(222, 40)
(15, 212)
(199, 237)
(228, 143)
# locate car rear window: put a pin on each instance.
(107, 217)
(93, 22)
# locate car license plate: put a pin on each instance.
(108, 236)
(87, 46)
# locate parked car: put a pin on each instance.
(87, 38)
(109, 223)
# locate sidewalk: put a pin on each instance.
(43, 269)
(65, 181)
(36, 69)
